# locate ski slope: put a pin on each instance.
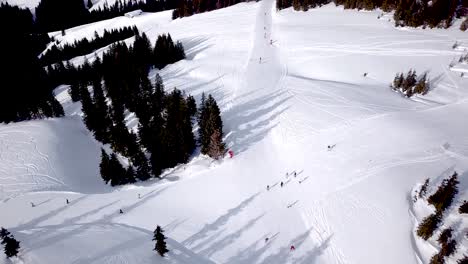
(350, 204)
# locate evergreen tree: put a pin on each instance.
(209, 122)
(216, 149)
(90, 4)
(11, 245)
(104, 166)
(160, 239)
(101, 113)
(118, 174)
(87, 108)
(192, 106)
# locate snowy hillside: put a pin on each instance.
(283, 102)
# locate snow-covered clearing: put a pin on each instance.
(347, 205)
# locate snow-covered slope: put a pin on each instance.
(347, 205)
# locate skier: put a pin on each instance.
(281, 184)
(295, 174)
(33, 205)
(266, 239)
(271, 42)
(268, 187)
(139, 196)
(292, 248)
(287, 174)
(260, 60)
(67, 201)
(121, 211)
(365, 74)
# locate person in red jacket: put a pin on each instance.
(292, 248)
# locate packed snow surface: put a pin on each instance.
(289, 85)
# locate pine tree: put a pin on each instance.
(104, 166)
(90, 4)
(192, 106)
(209, 122)
(160, 245)
(88, 108)
(11, 245)
(216, 148)
(103, 121)
(118, 175)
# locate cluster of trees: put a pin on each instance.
(441, 200)
(52, 15)
(299, 5)
(463, 208)
(26, 90)
(160, 239)
(190, 7)
(448, 246)
(85, 46)
(11, 245)
(119, 8)
(411, 84)
(412, 13)
(118, 83)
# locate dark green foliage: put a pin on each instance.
(52, 15)
(166, 52)
(192, 106)
(58, 15)
(191, 7)
(11, 245)
(413, 13)
(85, 46)
(104, 166)
(437, 259)
(178, 136)
(463, 208)
(118, 174)
(448, 248)
(427, 227)
(444, 195)
(445, 236)
(160, 239)
(210, 128)
(103, 121)
(410, 84)
(423, 190)
(26, 90)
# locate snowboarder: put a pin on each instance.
(268, 187)
(33, 205)
(292, 248)
(281, 184)
(121, 211)
(67, 201)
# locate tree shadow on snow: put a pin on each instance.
(227, 240)
(253, 252)
(284, 253)
(203, 236)
(251, 121)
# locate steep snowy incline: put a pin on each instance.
(48, 155)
